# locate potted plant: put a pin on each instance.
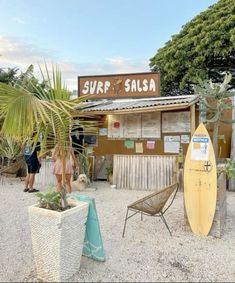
(11, 155)
(57, 236)
(109, 173)
(47, 112)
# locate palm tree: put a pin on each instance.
(49, 114)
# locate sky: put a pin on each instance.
(90, 37)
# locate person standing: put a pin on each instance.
(70, 163)
(33, 166)
(77, 140)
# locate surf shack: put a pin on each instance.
(142, 134)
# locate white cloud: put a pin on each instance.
(127, 65)
(17, 53)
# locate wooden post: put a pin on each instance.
(231, 186)
(192, 119)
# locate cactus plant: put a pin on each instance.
(215, 99)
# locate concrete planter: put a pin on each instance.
(57, 240)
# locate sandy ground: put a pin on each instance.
(147, 253)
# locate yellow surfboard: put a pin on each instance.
(200, 182)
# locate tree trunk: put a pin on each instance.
(232, 154)
(63, 190)
(215, 138)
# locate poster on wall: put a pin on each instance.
(139, 147)
(145, 125)
(115, 126)
(151, 125)
(103, 131)
(150, 144)
(174, 122)
(171, 144)
(132, 128)
(129, 144)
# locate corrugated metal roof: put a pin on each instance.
(122, 105)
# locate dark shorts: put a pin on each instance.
(33, 167)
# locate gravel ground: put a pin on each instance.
(147, 253)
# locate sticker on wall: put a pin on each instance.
(185, 138)
(103, 131)
(139, 147)
(89, 150)
(116, 124)
(200, 147)
(129, 144)
(150, 144)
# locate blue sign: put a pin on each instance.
(200, 139)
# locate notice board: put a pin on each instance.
(176, 122)
(145, 125)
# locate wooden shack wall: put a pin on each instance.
(108, 146)
(145, 172)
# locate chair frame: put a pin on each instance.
(158, 214)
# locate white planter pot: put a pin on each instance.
(57, 240)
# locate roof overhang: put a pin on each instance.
(129, 106)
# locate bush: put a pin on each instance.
(49, 200)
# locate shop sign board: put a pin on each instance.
(120, 86)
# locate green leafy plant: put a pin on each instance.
(11, 156)
(49, 200)
(215, 100)
(109, 170)
(229, 169)
(203, 48)
(84, 164)
(10, 150)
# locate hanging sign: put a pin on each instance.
(120, 86)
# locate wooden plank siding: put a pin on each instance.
(144, 172)
(45, 178)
